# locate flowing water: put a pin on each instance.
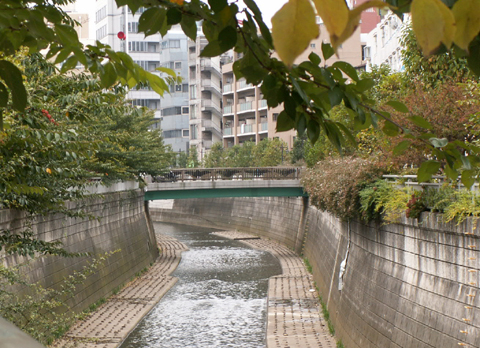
(219, 300)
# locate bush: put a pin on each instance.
(334, 184)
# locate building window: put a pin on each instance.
(133, 27)
(102, 32)
(184, 110)
(193, 131)
(178, 65)
(174, 43)
(193, 112)
(275, 116)
(178, 88)
(174, 110)
(185, 88)
(185, 133)
(101, 14)
(312, 45)
(193, 92)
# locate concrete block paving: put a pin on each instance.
(111, 323)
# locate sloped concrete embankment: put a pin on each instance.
(411, 284)
(120, 225)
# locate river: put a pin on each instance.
(219, 300)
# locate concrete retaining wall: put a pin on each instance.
(121, 225)
(404, 285)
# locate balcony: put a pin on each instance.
(210, 85)
(208, 64)
(247, 106)
(227, 131)
(228, 109)
(210, 105)
(228, 88)
(262, 104)
(242, 84)
(245, 129)
(263, 127)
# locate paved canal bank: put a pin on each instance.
(293, 313)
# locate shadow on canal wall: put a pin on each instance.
(122, 225)
(404, 285)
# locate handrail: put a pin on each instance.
(244, 173)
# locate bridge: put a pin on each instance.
(226, 182)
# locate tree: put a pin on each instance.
(308, 90)
(215, 158)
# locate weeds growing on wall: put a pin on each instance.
(354, 188)
(42, 312)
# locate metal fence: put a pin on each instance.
(213, 174)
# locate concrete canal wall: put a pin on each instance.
(405, 285)
(121, 225)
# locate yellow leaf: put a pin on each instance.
(433, 23)
(334, 14)
(293, 27)
(48, 170)
(467, 18)
(353, 21)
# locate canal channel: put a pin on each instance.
(219, 300)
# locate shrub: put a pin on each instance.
(334, 184)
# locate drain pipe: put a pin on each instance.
(343, 265)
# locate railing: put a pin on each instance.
(436, 182)
(227, 88)
(228, 131)
(208, 103)
(210, 84)
(228, 109)
(263, 103)
(209, 125)
(243, 84)
(264, 126)
(245, 106)
(213, 174)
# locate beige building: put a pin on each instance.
(246, 116)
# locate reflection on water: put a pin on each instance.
(219, 300)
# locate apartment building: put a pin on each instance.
(383, 42)
(205, 88)
(246, 116)
(118, 27)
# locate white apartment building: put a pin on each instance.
(205, 88)
(383, 43)
(118, 27)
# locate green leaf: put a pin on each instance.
(227, 38)
(398, 106)
(3, 96)
(12, 77)
(151, 21)
(63, 54)
(347, 69)
(212, 49)
(108, 75)
(217, 5)
(174, 16)
(427, 169)
(451, 172)
(284, 122)
(421, 122)
(313, 131)
(401, 147)
(167, 71)
(364, 84)
(390, 129)
(439, 142)
(66, 34)
(301, 124)
(327, 51)
(314, 58)
(468, 178)
(335, 96)
(189, 27)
